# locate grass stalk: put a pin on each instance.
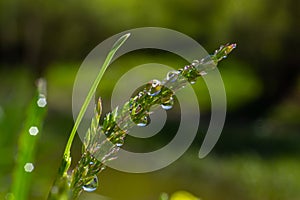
(102, 142)
(116, 46)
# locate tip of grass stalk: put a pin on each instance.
(127, 35)
(121, 41)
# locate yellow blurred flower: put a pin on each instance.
(183, 195)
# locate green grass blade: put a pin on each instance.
(27, 143)
(67, 158)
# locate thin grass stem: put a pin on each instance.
(116, 46)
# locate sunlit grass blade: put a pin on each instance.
(67, 158)
(27, 143)
(60, 188)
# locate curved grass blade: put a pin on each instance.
(67, 158)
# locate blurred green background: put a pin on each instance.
(257, 156)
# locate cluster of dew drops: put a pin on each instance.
(140, 114)
(162, 90)
(155, 88)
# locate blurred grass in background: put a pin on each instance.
(258, 152)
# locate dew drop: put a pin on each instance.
(119, 144)
(28, 167)
(195, 63)
(167, 105)
(141, 124)
(33, 130)
(140, 94)
(155, 83)
(42, 102)
(91, 185)
(172, 76)
(144, 121)
(107, 133)
(154, 87)
(187, 67)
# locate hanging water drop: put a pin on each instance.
(172, 76)
(107, 133)
(195, 63)
(119, 142)
(140, 94)
(144, 121)
(167, 105)
(187, 68)
(91, 185)
(154, 87)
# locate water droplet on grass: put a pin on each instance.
(172, 76)
(168, 104)
(42, 102)
(166, 107)
(33, 130)
(91, 185)
(154, 87)
(144, 121)
(28, 167)
(195, 63)
(119, 144)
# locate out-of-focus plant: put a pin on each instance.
(27, 143)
